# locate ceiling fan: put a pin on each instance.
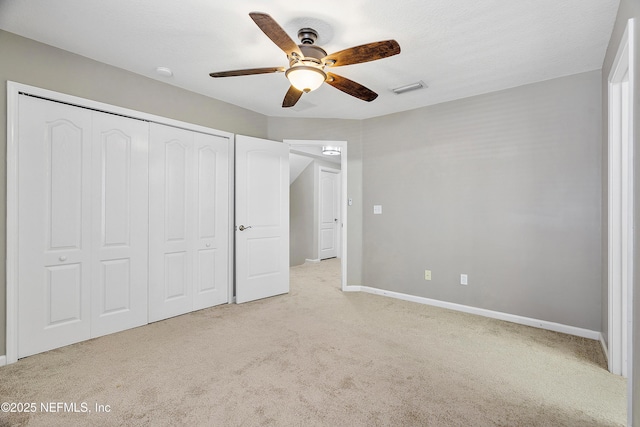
(307, 62)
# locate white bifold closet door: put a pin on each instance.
(120, 211)
(82, 245)
(189, 221)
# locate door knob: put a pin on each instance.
(63, 258)
(242, 228)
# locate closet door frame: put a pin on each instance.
(14, 91)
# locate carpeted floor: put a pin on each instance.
(321, 357)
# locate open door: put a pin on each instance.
(261, 218)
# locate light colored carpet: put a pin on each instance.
(318, 356)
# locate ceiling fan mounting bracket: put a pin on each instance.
(307, 36)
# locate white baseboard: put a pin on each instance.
(3, 360)
(311, 261)
(605, 348)
(536, 323)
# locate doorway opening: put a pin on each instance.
(312, 149)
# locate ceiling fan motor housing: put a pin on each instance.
(314, 53)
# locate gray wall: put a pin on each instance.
(335, 130)
(301, 217)
(29, 62)
(628, 9)
(504, 187)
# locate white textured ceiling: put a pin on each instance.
(459, 48)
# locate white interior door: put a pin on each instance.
(170, 196)
(211, 220)
(120, 228)
(189, 222)
(262, 218)
(329, 218)
(54, 225)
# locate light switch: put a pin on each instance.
(377, 209)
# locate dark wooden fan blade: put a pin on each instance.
(248, 72)
(363, 53)
(275, 32)
(350, 87)
(292, 96)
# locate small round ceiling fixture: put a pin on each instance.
(164, 71)
(328, 150)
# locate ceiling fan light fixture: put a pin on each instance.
(305, 78)
(307, 61)
(328, 150)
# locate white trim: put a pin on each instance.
(521, 320)
(344, 192)
(632, 256)
(108, 108)
(13, 93)
(620, 245)
(232, 220)
(605, 349)
(3, 360)
(12, 225)
(311, 261)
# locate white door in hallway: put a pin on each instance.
(262, 218)
(189, 221)
(329, 208)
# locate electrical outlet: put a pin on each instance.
(427, 275)
(463, 279)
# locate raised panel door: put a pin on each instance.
(211, 216)
(262, 218)
(120, 227)
(329, 208)
(54, 243)
(189, 221)
(171, 195)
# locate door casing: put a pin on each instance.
(621, 211)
